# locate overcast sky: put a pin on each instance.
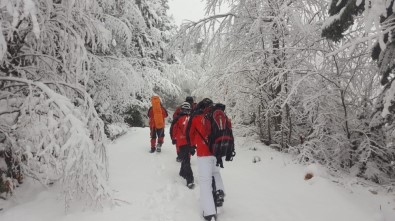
(186, 10)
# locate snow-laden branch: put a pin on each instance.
(191, 24)
(60, 141)
(361, 40)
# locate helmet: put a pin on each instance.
(189, 99)
(186, 106)
(206, 102)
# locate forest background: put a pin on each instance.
(311, 78)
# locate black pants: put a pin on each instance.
(186, 170)
(160, 133)
(157, 132)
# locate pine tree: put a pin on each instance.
(345, 10)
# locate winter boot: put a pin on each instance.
(210, 218)
(152, 150)
(178, 159)
(219, 198)
(158, 147)
(190, 183)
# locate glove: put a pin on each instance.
(173, 141)
(192, 151)
(230, 153)
(219, 163)
(229, 156)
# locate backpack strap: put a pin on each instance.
(193, 114)
(188, 129)
(219, 158)
(205, 141)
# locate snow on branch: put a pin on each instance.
(57, 139)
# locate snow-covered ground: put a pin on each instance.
(147, 187)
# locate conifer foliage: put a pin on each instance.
(344, 12)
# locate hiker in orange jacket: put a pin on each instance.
(157, 114)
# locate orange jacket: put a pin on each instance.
(151, 117)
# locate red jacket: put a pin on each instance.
(199, 130)
(178, 130)
(151, 116)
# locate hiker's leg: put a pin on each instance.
(153, 137)
(217, 176)
(219, 193)
(182, 154)
(205, 170)
(186, 164)
(161, 135)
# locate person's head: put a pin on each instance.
(189, 99)
(185, 106)
(220, 106)
(155, 97)
(203, 104)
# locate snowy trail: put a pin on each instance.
(148, 188)
(149, 181)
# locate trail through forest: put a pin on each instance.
(147, 187)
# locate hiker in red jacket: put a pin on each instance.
(188, 99)
(178, 135)
(198, 131)
(157, 132)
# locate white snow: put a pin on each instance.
(3, 164)
(148, 187)
(117, 129)
(3, 45)
(388, 100)
(30, 8)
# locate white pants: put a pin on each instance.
(207, 170)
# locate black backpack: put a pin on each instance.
(220, 140)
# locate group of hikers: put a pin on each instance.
(202, 128)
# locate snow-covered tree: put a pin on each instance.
(146, 60)
(267, 61)
(53, 133)
(64, 67)
(378, 26)
(254, 48)
(377, 23)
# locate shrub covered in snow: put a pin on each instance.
(117, 129)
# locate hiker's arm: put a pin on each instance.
(189, 132)
(165, 112)
(171, 130)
